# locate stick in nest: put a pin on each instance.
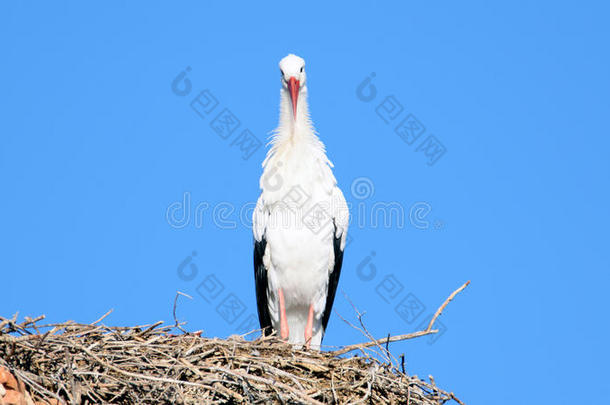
(177, 324)
(397, 338)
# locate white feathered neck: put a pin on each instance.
(296, 152)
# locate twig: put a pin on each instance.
(406, 336)
(177, 324)
(447, 301)
(365, 331)
(103, 316)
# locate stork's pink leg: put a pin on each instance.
(309, 327)
(284, 332)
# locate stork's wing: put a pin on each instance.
(259, 221)
(333, 281)
(260, 277)
(340, 214)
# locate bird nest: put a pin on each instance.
(152, 364)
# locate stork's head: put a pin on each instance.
(292, 69)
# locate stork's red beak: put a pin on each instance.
(293, 88)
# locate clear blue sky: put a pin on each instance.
(97, 151)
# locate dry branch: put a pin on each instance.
(397, 338)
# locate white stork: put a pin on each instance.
(299, 223)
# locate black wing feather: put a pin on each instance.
(260, 278)
(333, 279)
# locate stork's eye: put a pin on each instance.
(302, 69)
(282, 72)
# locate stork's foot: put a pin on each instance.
(309, 327)
(284, 331)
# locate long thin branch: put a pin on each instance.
(406, 336)
(447, 301)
